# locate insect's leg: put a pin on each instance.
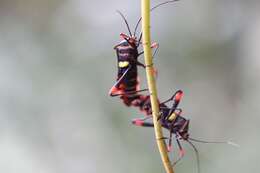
(153, 45)
(155, 71)
(140, 64)
(176, 97)
(156, 46)
(114, 91)
(141, 122)
(166, 101)
(130, 92)
(181, 152)
(141, 53)
(169, 147)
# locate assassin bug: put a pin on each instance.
(177, 125)
(127, 84)
(170, 117)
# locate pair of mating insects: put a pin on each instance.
(127, 87)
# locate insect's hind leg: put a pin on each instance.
(115, 91)
(141, 122)
(181, 152)
(176, 97)
(169, 147)
(129, 93)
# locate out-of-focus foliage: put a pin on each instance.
(57, 64)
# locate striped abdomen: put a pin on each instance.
(127, 58)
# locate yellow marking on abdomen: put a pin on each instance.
(123, 64)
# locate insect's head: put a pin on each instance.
(132, 40)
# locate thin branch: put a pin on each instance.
(152, 86)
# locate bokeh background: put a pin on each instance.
(57, 65)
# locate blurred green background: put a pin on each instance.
(57, 65)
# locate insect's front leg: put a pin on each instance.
(153, 45)
(140, 64)
(156, 46)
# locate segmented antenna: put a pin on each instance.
(125, 22)
(197, 154)
(207, 142)
(215, 142)
(158, 5)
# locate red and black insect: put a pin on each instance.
(171, 119)
(127, 84)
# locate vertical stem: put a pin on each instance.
(151, 85)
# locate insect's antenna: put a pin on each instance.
(158, 5)
(125, 22)
(215, 142)
(137, 24)
(166, 2)
(197, 154)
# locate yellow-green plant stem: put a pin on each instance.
(152, 86)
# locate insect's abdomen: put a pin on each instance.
(130, 84)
